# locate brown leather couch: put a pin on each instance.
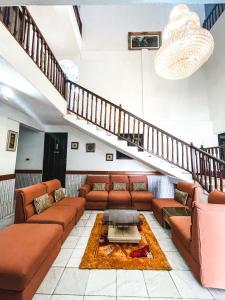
(27, 251)
(201, 240)
(66, 212)
(109, 198)
(159, 203)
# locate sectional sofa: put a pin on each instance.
(109, 197)
(29, 247)
(200, 239)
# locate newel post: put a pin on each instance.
(119, 120)
(192, 160)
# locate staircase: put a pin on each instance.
(111, 123)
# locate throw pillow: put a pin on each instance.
(181, 196)
(119, 186)
(98, 186)
(41, 203)
(139, 186)
(59, 194)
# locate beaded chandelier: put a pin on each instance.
(186, 46)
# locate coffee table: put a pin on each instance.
(122, 225)
(173, 211)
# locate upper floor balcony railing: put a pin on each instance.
(22, 26)
(216, 12)
(77, 15)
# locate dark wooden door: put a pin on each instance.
(55, 152)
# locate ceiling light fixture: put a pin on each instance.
(186, 46)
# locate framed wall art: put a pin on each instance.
(12, 140)
(144, 40)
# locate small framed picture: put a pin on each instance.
(144, 40)
(74, 145)
(109, 157)
(90, 147)
(12, 139)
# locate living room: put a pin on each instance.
(119, 184)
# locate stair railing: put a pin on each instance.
(214, 15)
(217, 151)
(205, 168)
(21, 25)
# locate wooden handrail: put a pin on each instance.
(214, 15)
(22, 26)
(205, 168)
(217, 151)
(77, 16)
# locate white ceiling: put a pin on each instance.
(26, 98)
(100, 2)
(59, 27)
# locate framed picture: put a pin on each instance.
(144, 40)
(109, 157)
(12, 139)
(74, 145)
(90, 147)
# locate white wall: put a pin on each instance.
(10, 119)
(128, 77)
(215, 74)
(81, 160)
(30, 150)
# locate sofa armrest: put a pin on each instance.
(84, 189)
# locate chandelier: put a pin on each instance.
(186, 46)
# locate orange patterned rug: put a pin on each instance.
(101, 254)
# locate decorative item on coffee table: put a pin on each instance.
(123, 226)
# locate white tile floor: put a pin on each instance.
(65, 281)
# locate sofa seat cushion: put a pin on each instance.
(119, 196)
(159, 204)
(23, 249)
(61, 215)
(141, 196)
(77, 202)
(181, 227)
(97, 196)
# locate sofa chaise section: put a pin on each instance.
(201, 240)
(27, 251)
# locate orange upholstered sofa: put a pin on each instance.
(116, 198)
(27, 251)
(66, 212)
(201, 240)
(159, 203)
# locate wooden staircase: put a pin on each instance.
(113, 119)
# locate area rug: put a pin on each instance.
(101, 254)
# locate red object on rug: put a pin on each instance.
(143, 252)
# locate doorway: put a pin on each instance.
(55, 153)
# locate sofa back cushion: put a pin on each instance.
(138, 179)
(24, 201)
(51, 186)
(192, 189)
(98, 186)
(120, 179)
(216, 197)
(99, 179)
(42, 203)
